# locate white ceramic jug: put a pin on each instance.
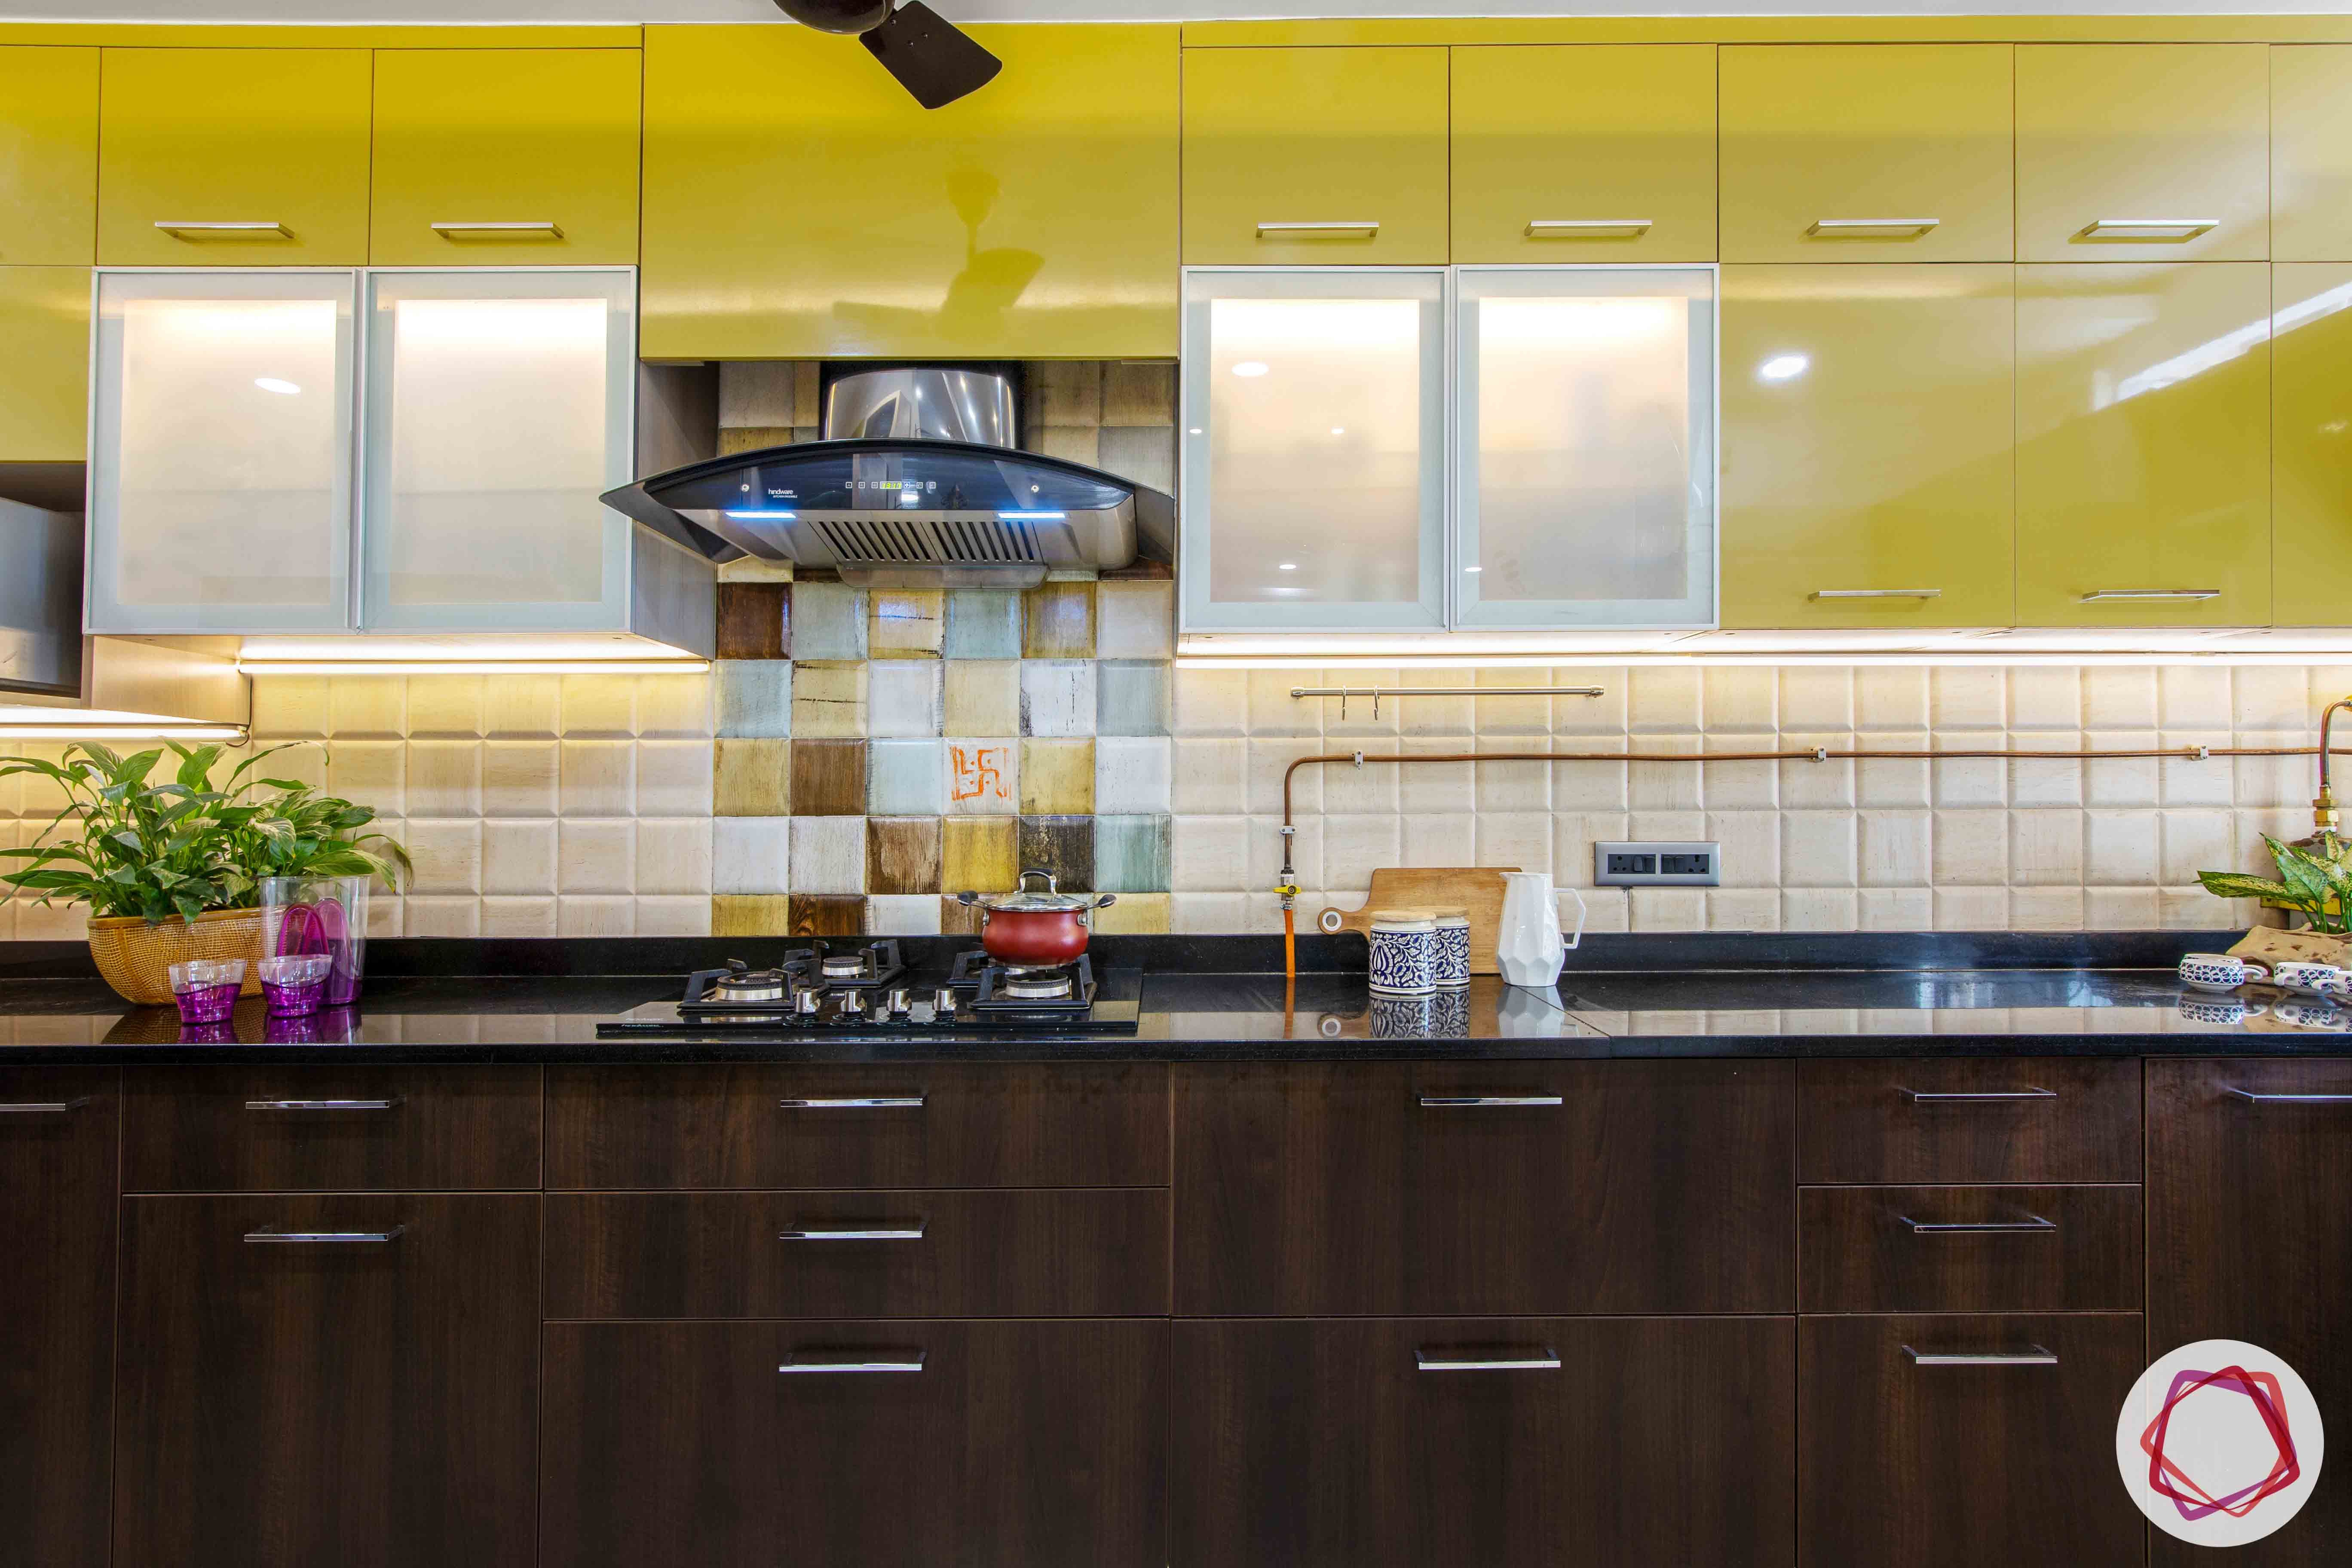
(1528, 946)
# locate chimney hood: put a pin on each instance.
(915, 481)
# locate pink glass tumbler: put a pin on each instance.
(205, 989)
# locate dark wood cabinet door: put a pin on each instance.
(58, 1145)
(984, 1445)
(1968, 1250)
(1904, 1463)
(1485, 1443)
(2249, 1238)
(1475, 1188)
(1959, 1118)
(366, 1403)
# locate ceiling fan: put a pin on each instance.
(931, 60)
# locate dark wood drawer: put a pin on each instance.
(1517, 1187)
(1032, 1252)
(880, 1126)
(330, 1129)
(1600, 1442)
(2022, 1119)
(1904, 1460)
(998, 1445)
(1968, 1250)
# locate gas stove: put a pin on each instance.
(868, 991)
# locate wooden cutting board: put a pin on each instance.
(1478, 889)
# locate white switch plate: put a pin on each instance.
(1657, 864)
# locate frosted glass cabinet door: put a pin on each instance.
(221, 452)
(1314, 439)
(1584, 469)
(498, 407)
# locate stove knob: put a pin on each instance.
(806, 1003)
(944, 1004)
(853, 1003)
(900, 1002)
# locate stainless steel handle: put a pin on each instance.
(1878, 592)
(855, 1103)
(2095, 594)
(1866, 227)
(2251, 1097)
(1585, 227)
(1453, 1101)
(811, 1366)
(227, 230)
(854, 1233)
(451, 230)
(43, 1107)
(1367, 227)
(2147, 227)
(274, 1236)
(1542, 1359)
(1977, 1095)
(2031, 1224)
(323, 1104)
(2033, 1355)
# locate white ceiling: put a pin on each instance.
(1083, 10)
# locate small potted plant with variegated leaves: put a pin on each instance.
(2313, 880)
(171, 870)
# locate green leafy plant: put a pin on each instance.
(2314, 882)
(127, 847)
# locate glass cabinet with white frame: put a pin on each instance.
(1314, 450)
(1479, 448)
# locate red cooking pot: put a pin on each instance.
(1033, 930)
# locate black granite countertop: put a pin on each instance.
(1225, 999)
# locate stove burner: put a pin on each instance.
(1033, 992)
(1037, 986)
(851, 968)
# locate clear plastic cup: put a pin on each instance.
(294, 986)
(206, 988)
(306, 915)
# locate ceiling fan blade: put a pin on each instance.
(930, 58)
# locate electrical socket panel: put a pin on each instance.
(1656, 865)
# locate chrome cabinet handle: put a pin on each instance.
(43, 1107)
(2033, 1355)
(855, 1103)
(2251, 1097)
(1866, 228)
(1367, 227)
(227, 230)
(1971, 1096)
(2147, 227)
(1456, 1101)
(815, 1366)
(854, 1233)
(2095, 594)
(452, 230)
(2031, 1224)
(1542, 1359)
(323, 1104)
(1585, 227)
(1878, 592)
(271, 1234)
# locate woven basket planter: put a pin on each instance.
(136, 955)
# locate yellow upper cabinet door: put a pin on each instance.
(2143, 435)
(233, 157)
(799, 204)
(1867, 443)
(2143, 151)
(1866, 153)
(1583, 152)
(49, 156)
(2311, 449)
(505, 157)
(1315, 157)
(44, 396)
(2310, 152)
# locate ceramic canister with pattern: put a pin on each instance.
(1405, 953)
(1453, 949)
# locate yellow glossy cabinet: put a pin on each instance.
(1315, 157)
(2143, 435)
(2311, 446)
(49, 155)
(798, 203)
(207, 136)
(1583, 152)
(1867, 152)
(44, 396)
(2130, 151)
(2310, 152)
(1867, 442)
(505, 157)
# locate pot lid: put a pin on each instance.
(1025, 900)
